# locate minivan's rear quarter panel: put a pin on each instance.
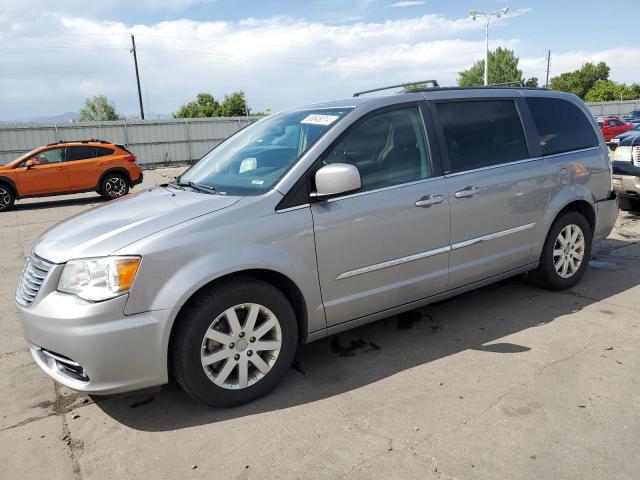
(580, 175)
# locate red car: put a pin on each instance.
(612, 127)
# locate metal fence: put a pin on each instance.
(164, 142)
(154, 142)
(613, 108)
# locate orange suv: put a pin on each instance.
(70, 167)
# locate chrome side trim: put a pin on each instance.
(394, 262)
(492, 236)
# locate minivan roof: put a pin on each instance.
(438, 93)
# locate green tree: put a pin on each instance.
(607, 91)
(580, 81)
(503, 68)
(205, 105)
(235, 105)
(98, 109)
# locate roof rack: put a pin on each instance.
(517, 83)
(92, 140)
(409, 84)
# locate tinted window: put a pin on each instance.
(388, 149)
(481, 133)
(561, 125)
(80, 153)
(103, 151)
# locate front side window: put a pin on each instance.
(254, 159)
(481, 133)
(388, 149)
(80, 153)
(54, 155)
(562, 126)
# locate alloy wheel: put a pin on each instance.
(5, 198)
(241, 346)
(115, 187)
(568, 251)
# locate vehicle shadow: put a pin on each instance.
(65, 202)
(477, 320)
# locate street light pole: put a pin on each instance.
(487, 20)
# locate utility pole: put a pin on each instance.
(546, 84)
(135, 61)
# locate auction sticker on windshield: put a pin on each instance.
(317, 119)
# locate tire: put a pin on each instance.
(7, 197)
(557, 278)
(628, 204)
(221, 383)
(114, 185)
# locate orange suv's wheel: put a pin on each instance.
(7, 197)
(114, 185)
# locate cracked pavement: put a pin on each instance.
(509, 381)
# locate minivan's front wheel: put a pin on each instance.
(114, 185)
(566, 252)
(234, 342)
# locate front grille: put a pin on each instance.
(34, 273)
(635, 156)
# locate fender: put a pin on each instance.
(569, 194)
(282, 243)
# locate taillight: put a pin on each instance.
(130, 158)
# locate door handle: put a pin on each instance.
(429, 200)
(467, 192)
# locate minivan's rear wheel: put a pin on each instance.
(566, 252)
(7, 197)
(234, 342)
(114, 185)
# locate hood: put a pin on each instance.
(105, 229)
(629, 138)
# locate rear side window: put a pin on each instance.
(80, 153)
(481, 133)
(562, 126)
(103, 151)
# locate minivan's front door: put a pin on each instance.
(387, 244)
(498, 191)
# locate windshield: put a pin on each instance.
(254, 159)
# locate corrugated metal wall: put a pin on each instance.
(613, 108)
(152, 141)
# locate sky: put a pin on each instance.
(55, 54)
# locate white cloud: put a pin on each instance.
(411, 3)
(279, 61)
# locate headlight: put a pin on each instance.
(622, 154)
(98, 279)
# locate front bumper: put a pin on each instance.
(94, 347)
(627, 185)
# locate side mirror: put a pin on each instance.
(29, 164)
(335, 179)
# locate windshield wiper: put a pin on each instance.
(198, 186)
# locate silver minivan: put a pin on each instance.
(312, 221)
